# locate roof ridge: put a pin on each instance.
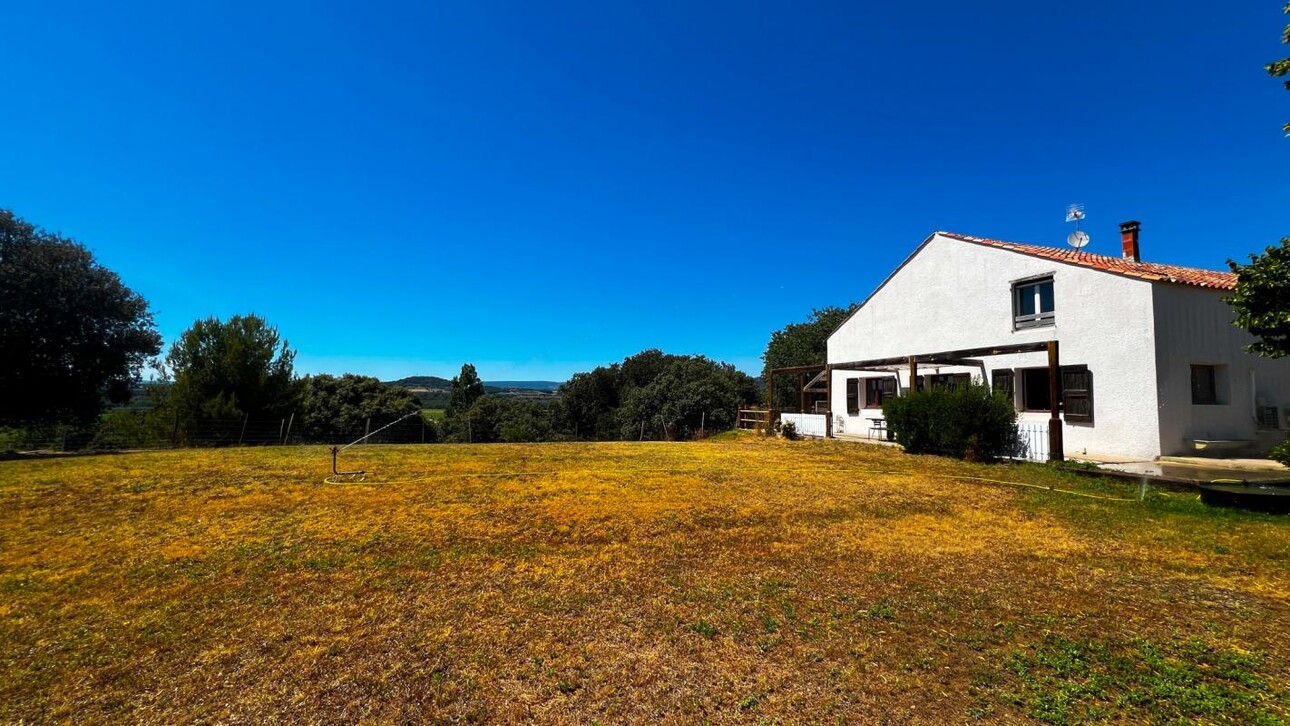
(1151, 271)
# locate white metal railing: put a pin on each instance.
(1032, 442)
(807, 424)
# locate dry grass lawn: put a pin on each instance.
(741, 580)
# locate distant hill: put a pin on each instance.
(433, 390)
(421, 382)
(529, 385)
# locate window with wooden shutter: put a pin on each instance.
(1001, 382)
(1077, 394)
(853, 396)
(876, 390)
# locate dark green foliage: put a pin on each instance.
(493, 419)
(139, 427)
(73, 336)
(1281, 453)
(587, 403)
(225, 371)
(801, 344)
(684, 394)
(965, 421)
(466, 389)
(1262, 300)
(651, 395)
(334, 408)
(789, 431)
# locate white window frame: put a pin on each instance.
(1038, 319)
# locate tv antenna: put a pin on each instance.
(1078, 238)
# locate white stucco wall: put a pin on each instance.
(1194, 326)
(955, 295)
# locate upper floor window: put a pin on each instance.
(1032, 303)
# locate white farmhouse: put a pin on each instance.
(1150, 363)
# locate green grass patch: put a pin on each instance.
(1064, 681)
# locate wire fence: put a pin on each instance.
(140, 433)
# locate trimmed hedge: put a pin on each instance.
(966, 422)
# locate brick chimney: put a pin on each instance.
(1129, 238)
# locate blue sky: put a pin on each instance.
(541, 188)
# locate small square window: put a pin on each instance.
(1032, 303)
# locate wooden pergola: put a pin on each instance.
(968, 357)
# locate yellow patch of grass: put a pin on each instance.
(733, 580)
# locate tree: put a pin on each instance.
(1281, 68)
(1262, 300)
(491, 419)
(466, 389)
(73, 335)
(333, 408)
(586, 404)
(688, 393)
(801, 344)
(1262, 295)
(227, 370)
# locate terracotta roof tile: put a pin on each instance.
(1153, 271)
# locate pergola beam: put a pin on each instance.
(949, 357)
(797, 369)
(969, 357)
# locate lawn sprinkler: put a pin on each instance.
(335, 450)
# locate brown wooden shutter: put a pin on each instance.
(853, 396)
(1077, 394)
(1001, 382)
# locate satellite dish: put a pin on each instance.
(1077, 239)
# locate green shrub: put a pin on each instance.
(11, 439)
(788, 430)
(1281, 452)
(966, 421)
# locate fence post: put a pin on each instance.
(289, 422)
(243, 434)
(368, 431)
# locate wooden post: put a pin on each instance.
(243, 434)
(770, 391)
(828, 401)
(1056, 447)
(913, 375)
(801, 393)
